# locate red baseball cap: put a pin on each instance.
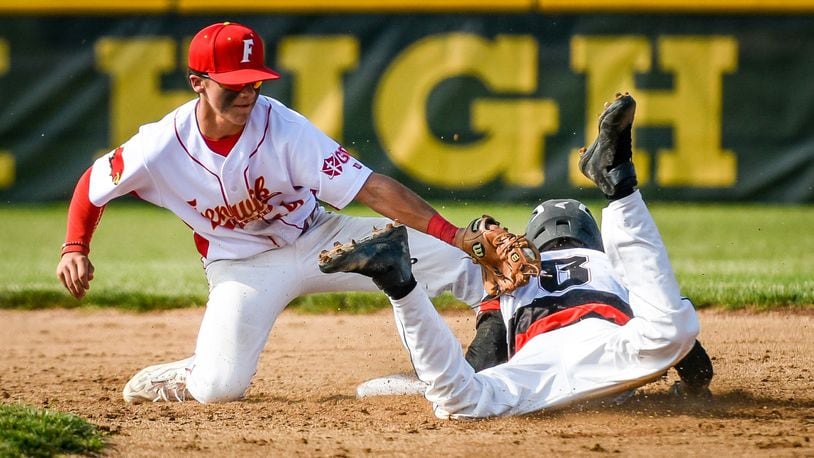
(230, 53)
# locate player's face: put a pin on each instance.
(234, 106)
(229, 103)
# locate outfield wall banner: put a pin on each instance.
(468, 106)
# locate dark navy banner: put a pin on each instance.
(470, 106)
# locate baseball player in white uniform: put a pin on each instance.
(593, 324)
(247, 175)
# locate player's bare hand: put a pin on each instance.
(75, 271)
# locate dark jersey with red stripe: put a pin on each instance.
(576, 284)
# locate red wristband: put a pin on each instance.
(71, 247)
(442, 229)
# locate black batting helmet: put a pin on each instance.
(563, 220)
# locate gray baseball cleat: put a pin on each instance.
(384, 256)
(607, 162)
(161, 382)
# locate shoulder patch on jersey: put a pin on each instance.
(116, 165)
(332, 165)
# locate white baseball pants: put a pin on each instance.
(246, 296)
(588, 359)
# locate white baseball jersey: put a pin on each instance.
(575, 284)
(258, 225)
(262, 196)
(576, 338)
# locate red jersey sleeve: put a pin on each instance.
(83, 217)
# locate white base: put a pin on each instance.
(391, 385)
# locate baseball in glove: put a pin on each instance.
(507, 260)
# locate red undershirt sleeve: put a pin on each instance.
(83, 217)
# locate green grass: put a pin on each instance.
(732, 256)
(29, 432)
(741, 255)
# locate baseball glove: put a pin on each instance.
(507, 260)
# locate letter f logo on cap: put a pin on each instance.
(229, 53)
(248, 44)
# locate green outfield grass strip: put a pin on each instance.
(346, 303)
(33, 299)
(728, 256)
(29, 432)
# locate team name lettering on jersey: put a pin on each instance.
(245, 211)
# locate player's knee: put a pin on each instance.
(214, 394)
(472, 397)
(208, 390)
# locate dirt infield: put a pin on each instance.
(302, 401)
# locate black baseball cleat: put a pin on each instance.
(384, 256)
(696, 372)
(607, 162)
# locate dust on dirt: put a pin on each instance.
(302, 400)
